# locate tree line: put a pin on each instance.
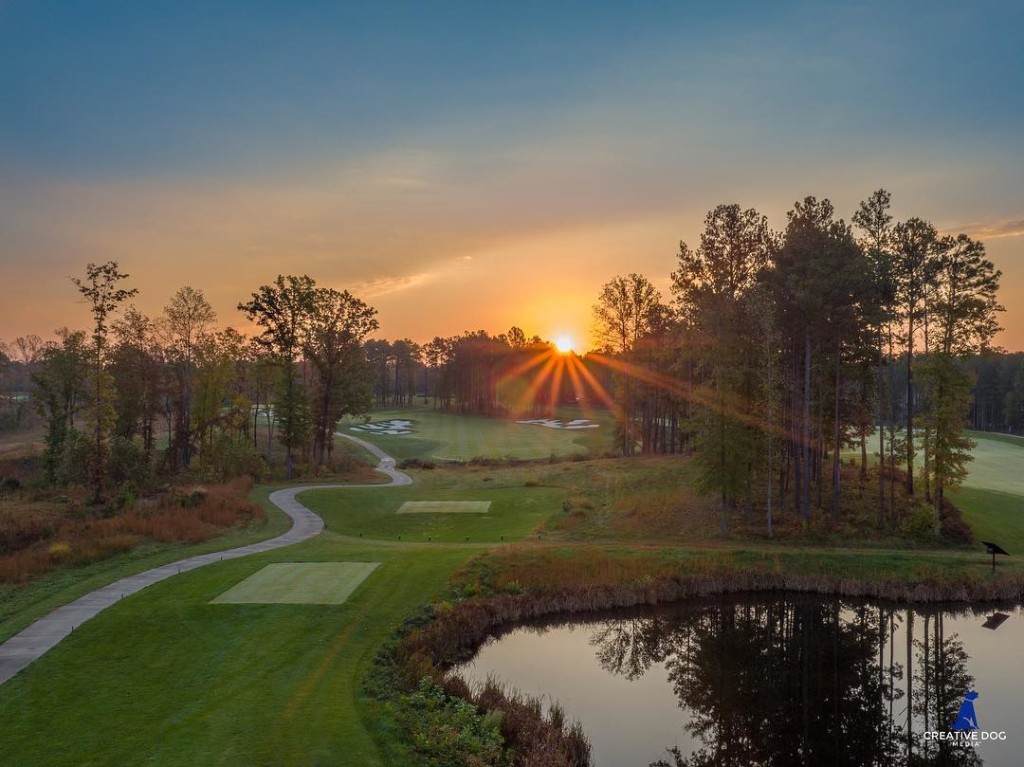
(138, 395)
(780, 350)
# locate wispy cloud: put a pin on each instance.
(995, 230)
(383, 286)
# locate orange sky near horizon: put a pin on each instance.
(425, 279)
(535, 282)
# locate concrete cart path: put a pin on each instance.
(23, 648)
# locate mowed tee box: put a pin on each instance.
(318, 583)
(445, 507)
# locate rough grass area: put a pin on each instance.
(456, 437)
(445, 507)
(37, 536)
(294, 583)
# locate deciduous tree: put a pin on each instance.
(100, 290)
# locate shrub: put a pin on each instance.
(952, 525)
(128, 462)
(190, 517)
(447, 730)
(920, 523)
(75, 458)
(577, 503)
(24, 526)
(229, 455)
(59, 551)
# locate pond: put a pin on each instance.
(779, 679)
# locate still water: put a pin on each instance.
(779, 680)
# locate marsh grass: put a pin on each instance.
(496, 724)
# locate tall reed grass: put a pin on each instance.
(34, 539)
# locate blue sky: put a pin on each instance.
(480, 164)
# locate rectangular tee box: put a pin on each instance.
(299, 583)
(445, 507)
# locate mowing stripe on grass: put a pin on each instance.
(445, 507)
(299, 583)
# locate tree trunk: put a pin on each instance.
(836, 460)
(805, 491)
(910, 406)
(881, 436)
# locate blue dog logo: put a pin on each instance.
(967, 720)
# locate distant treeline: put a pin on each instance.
(140, 397)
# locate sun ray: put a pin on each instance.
(729, 405)
(556, 383)
(529, 364)
(577, 383)
(597, 386)
(529, 397)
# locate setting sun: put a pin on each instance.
(563, 344)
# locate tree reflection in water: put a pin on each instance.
(796, 680)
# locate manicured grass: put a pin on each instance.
(295, 583)
(992, 496)
(995, 436)
(515, 510)
(998, 463)
(993, 516)
(455, 437)
(165, 678)
(444, 507)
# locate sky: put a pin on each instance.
(465, 165)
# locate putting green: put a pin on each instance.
(445, 507)
(299, 583)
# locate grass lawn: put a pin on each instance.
(451, 437)
(998, 463)
(167, 678)
(299, 583)
(514, 512)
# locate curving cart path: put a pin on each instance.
(28, 645)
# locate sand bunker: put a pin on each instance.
(394, 426)
(556, 423)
